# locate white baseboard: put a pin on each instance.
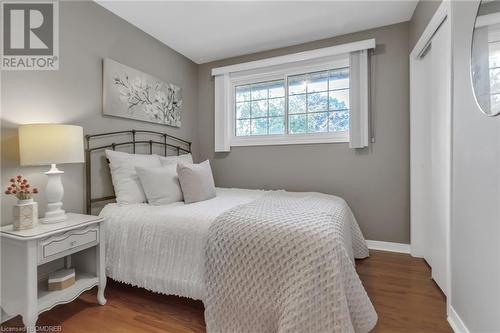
(456, 322)
(388, 246)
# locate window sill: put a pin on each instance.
(337, 137)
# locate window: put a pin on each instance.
(317, 96)
(314, 103)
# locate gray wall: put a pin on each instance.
(88, 33)
(475, 228)
(421, 17)
(374, 181)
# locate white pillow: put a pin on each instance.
(160, 184)
(128, 189)
(197, 181)
(167, 160)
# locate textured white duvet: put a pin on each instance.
(283, 263)
(161, 248)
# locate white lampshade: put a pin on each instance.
(44, 144)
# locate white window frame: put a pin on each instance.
(341, 61)
(329, 58)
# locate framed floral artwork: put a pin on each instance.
(132, 94)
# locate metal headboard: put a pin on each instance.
(179, 145)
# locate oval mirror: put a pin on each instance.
(485, 58)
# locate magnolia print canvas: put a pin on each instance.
(133, 94)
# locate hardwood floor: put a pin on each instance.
(405, 297)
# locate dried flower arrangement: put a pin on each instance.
(20, 188)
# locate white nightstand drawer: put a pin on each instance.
(67, 242)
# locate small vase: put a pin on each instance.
(25, 214)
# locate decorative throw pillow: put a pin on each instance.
(167, 160)
(160, 184)
(197, 181)
(128, 188)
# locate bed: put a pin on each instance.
(259, 260)
(175, 234)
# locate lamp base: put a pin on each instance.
(55, 193)
(47, 220)
(53, 217)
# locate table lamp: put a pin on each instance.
(51, 144)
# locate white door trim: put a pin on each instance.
(442, 13)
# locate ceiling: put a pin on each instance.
(205, 31)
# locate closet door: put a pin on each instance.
(440, 156)
(431, 153)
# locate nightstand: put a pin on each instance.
(29, 256)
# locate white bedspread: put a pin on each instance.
(283, 263)
(161, 248)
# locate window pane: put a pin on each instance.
(242, 93)
(252, 104)
(242, 127)
(297, 104)
(317, 82)
(317, 102)
(311, 112)
(259, 126)
(243, 110)
(495, 103)
(494, 54)
(339, 121)
(276, 89)
(339, 79)
(277, 125)
(277, 107)
(297, 124)
(339, 99)
(259, 91)
(317, 122)
(259, 108)
(297, 84)
(494, 81)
